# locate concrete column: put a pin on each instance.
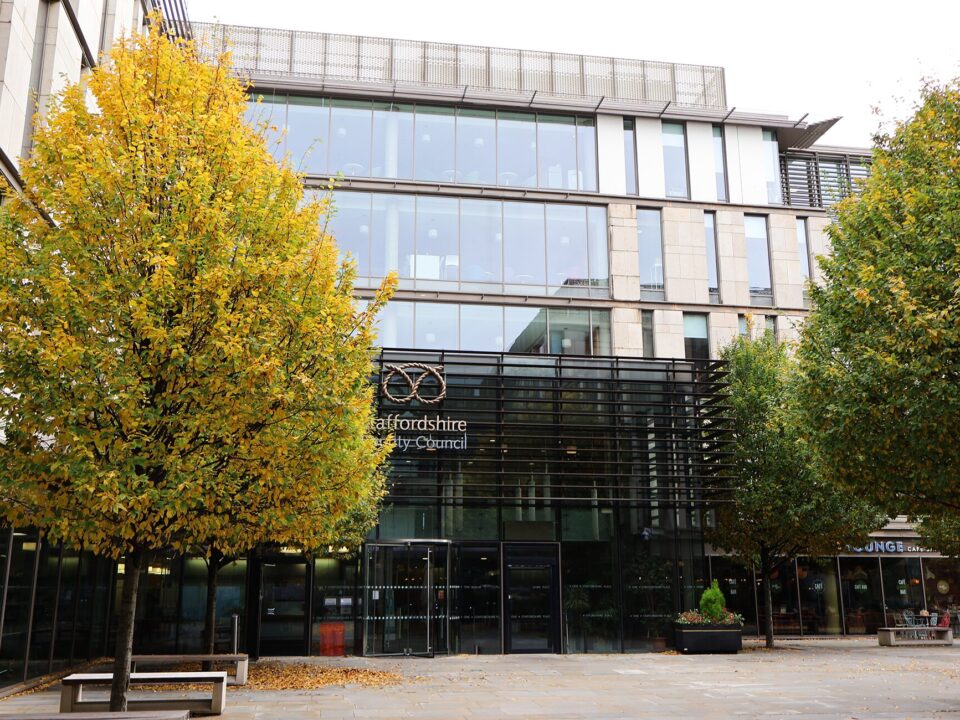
(624, 255)
(627, 332)
(785, 260)
(684, 256)
(724, 327)
(732, 258)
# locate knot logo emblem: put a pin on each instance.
(414, 381)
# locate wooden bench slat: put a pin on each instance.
(191, 657)
(136, 715)
(148, 677)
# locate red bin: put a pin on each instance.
(331, 638)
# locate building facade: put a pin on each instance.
(575, 238)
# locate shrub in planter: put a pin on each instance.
(711, 629)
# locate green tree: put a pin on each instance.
(777, 506)
(880, 354)
(182, 362)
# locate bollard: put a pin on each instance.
(234, 634)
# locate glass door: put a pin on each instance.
(532, 598)
(405, 599)
(283, 606)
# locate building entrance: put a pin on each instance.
(406, 598)
(531, 598)
(284, 585)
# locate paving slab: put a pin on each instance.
(836, 678)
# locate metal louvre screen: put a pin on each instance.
(379, 61)
(819, 179)
(535, 429)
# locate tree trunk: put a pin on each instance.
(133, 565)
(210, 616)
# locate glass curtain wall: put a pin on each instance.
(451, 244)
(364, 138)
(675, 160)
(453, 326)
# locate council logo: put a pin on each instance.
(414, 381)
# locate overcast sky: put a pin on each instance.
(822, 57)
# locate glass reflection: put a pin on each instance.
(710, 245)
(350, 226)
(308, 121)
(758, 255)
(525, 330)
(674, 160)
(392, 140)
(437, 326)
(819, 596)
(630, 156)
(771, 166)
(481, 327)
(597, 248)
(350, 131)
(524, 244)
(569, 332)
(437, 242)
(481, 241)
(719, 163)
(650, 245)
(269, 117)
(587, 154)
(435, 143)
(557, 151)
(395, 325)
(393, 225)
(477, 146)
(517, 149)
(862, 592)
(567, 248)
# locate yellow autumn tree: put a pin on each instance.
(182, 363)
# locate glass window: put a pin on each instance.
(742, 327)
(392, 140)
(395, 325)
(526, 330)
(942, 581)
(819, 596)
(435, 143)
(557, 151)
(771, 166)
(720, 163)
(597, 249)
(569, 331)
(481, 241)
(696, 337)
(646, 327)
(758, 256)
(674, 160)
(477, 147)
(517, 149)
(650, 244)
(393, 223)
(802, 248)
(437, 326)
(269, 117)
(524, 249)
(862, 593)
(566, 248)
(308, 121)
(902, 585)
(785, 610)
(736, 583)
(350, 226)
(770, 324)
(630, 155)
(437, 240)
(350, 128)
(601, 343)
(481, 327)
(587, 154)
(710, 245)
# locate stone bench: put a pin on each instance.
(915, 635)
(72, 700)
(241, 663)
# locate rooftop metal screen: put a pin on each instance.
(382, 61)
(821, 179)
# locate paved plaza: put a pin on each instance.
(804, 679)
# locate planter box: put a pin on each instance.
(698, 639)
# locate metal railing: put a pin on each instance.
(815, 179)
(295, 54)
